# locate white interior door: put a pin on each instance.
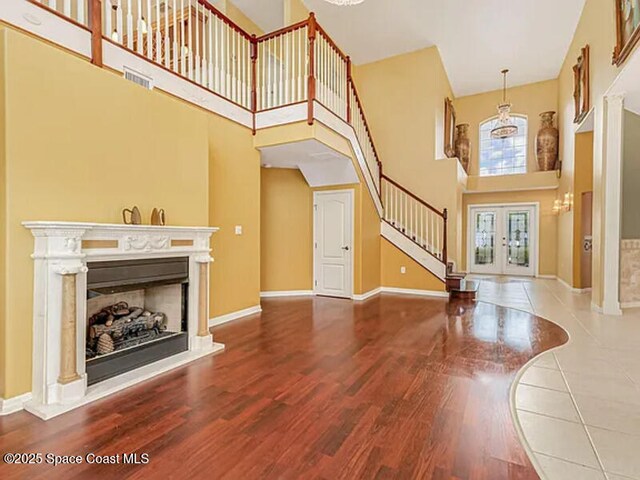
(502, 240)
(333, 242)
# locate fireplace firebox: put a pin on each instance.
(136, 314)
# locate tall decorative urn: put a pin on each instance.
(463, 145)
(547, 143)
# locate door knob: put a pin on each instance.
(345, 248)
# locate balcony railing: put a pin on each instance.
(75, 10)
(191, 38)
(294, 65)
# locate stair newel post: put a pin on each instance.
(254, 79)
(444, 237)
(312, 67)
(95, 25)
(349, 90)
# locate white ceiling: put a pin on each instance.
(267, 14)
(476, 38)
(320, 165)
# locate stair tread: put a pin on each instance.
(456, 275)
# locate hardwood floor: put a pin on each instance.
(394, 387)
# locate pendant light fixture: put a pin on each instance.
(505, 127)
(344, 3)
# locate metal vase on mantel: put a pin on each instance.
(547, 143)
(463, 145)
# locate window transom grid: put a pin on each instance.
(506, 156)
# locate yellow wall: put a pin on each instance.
(529, 100)
(525, 181)
(416, 277)
(286, 241)
(583, 182)
(294, 12)
(277, 272)
(403, 98)
(234, 199)
(370, 241)
(548, 235)
(596, 28)
(98, 150)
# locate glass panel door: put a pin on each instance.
(484, 258)
(518, 228)
(502, 240)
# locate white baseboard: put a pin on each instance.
(547, 277)
(287, 293)
(573, 289)
(410, 291)
(630, 305)
(369, 294)
(13, 404)
(229, 317)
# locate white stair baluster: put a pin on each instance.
(130, 25)
(108, 19)
(149, 22)
(80, 7)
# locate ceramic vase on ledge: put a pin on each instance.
(547, 143)
(463, 145)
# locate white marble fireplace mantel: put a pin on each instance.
(62, 251)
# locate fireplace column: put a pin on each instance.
(68, 354)
(72, 385)
(203, 338)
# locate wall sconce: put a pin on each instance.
(564, 205)
(567, 204)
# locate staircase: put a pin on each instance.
(256, 81)
(420, 231)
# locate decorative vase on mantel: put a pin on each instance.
(547, 143)
(463, 145)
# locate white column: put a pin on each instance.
(612, 174)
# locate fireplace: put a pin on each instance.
(114, 305)
(137, 314)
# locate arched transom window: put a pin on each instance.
(506, 156)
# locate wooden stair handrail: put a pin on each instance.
(352, 85)
(330, 41)
(283, 30)
(442, 214)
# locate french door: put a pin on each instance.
(502, 240)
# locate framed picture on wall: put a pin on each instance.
(449, 128)
(627, 29)
(581, 86)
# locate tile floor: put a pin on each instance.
(579, 406)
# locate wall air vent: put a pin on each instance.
(138, 78)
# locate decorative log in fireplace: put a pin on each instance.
(119, 326)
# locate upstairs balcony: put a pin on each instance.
(191, 50)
